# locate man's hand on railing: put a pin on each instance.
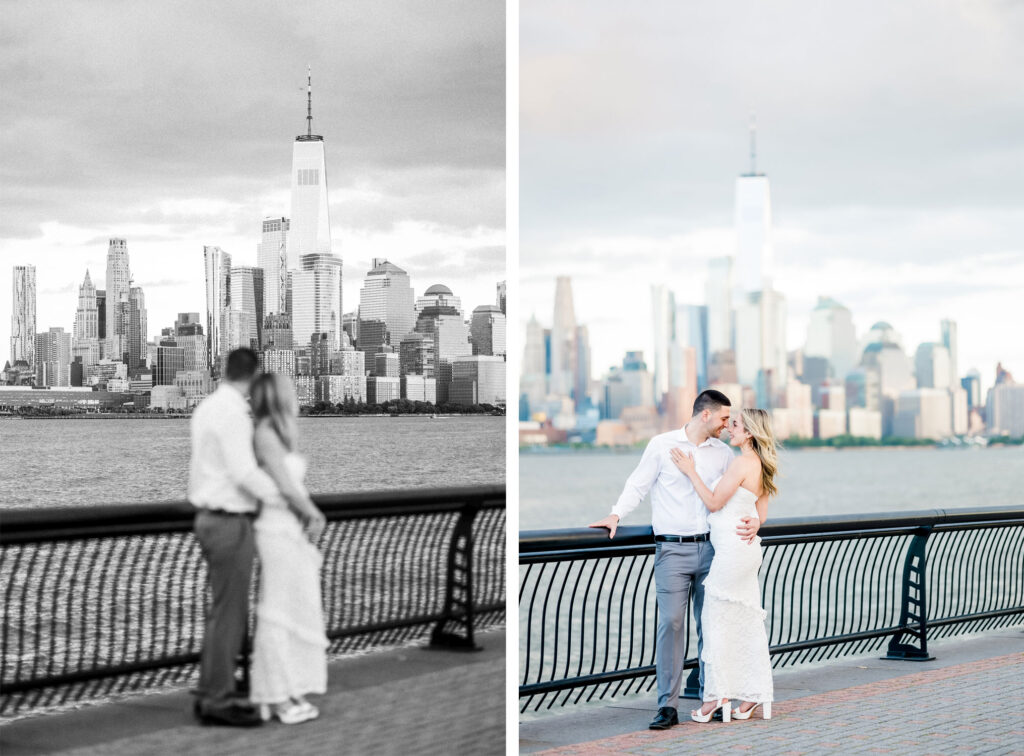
(611, 522)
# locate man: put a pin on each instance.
(225, 485)
(680, 523)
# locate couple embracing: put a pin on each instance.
(245, 481)
(707, 505)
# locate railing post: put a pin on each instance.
(914, 614)
(458, 603)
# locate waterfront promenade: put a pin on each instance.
(969, 699)
(397, 701)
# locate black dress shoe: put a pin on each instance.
(667, 716)
(232, 715)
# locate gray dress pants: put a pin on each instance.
(229, 547)
(677, 568)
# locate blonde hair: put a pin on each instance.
(758, 423)
(273, 399)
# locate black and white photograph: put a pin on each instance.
(253, 402)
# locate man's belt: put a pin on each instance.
(684, 539)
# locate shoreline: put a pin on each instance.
(598, 450)
(159, 416)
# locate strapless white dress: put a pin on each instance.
(735, 649)
(289, 656)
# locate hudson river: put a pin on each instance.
(572, 489)
(61, 462)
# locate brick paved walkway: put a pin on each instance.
(975, 707)
(400, 701)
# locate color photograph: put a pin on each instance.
(770, 434)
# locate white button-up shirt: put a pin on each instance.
(223, 473)
(676, 509)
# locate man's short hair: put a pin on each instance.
(242, 365)
(710, 400)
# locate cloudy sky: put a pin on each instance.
(172, 123)
(892, 134)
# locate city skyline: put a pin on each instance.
(416, 160)
(894, 174)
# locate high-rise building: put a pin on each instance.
(310, 227)
(53, 358)
(247, 297)
(272, 258)
(170, 359)
(101, 319)
(761, 357)
(932, 366)
(950, 341)
(23, 315)
(316, 298)
(135, 339)
(277, 332)
(830, 334)
(444, 326)
(500, 302)
(218, 302)
(691, 330)
(754, 256)
(438, 295)
(718, 296)
(581, 366)
(563, 334)
(477, 379)
(119, 280)
(386, 312)
(487, 330)
(971, 383)
(417, 355)
(85, 342)
(533, 381)
(663, 330)
(189, 336)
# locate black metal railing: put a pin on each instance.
(832, 586)
(103, 599)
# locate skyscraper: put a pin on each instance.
(502, 289)
(563, 334)
(663, 331)
(316, 299)
(53, 358)
(754, 255)
(119, 279)
(218, 302)
(533, 381)
(386, 313)
(718, 295)
(830, 334)
(85, 342)
(310, 230)
(272, 258)
(488, 330)
(23, 314)
(443, 325)
(135, 336)
(949, 340)
(247, 297)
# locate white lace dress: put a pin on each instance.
(289, 656)
(735, 653)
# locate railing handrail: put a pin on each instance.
(83, 521)
(586, 539)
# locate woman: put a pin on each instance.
(289, 658)
(735, 654)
